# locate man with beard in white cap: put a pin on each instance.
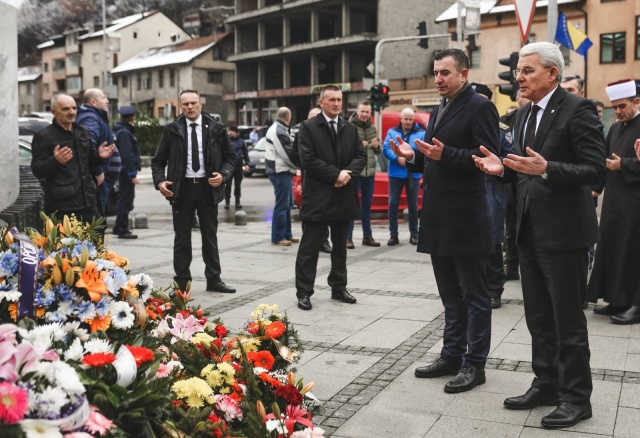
(615, 277)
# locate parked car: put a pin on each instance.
(29, 126)
(24, 146)
(42, 115)
(256, 157)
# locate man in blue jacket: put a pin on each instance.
(130, 154)
(93, 115)
(400, 177)
(242, 153)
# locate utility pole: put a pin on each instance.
(552, 20)
(459, 25)
(104, 49)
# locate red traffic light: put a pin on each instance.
(384, 89)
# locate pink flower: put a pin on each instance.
(98, 423)
(308, 433)
(164, 370)
(229, 407)
(184, 328)
(13, 403)
(78, 435)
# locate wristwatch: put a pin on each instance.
(544, 175)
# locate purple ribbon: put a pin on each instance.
(27, 274)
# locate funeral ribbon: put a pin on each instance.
(27, 274)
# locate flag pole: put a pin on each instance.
(552, 20)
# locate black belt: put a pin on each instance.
(196, 180)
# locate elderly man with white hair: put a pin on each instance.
(400, 177)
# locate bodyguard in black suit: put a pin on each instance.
(200, 160)
(455, 226)
(331, 156)
(559, 155)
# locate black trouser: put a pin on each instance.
(195, 196)
(511, 255)
(554, 286)
(467, 309)
(236, 178)
(126, 194)
(309, 250)
(495, 272)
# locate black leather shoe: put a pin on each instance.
(532, 398)
(496, 302)
(608, 309)
(350, 244)
(465, 380)
(413, 240)
(393, 241)
(304, 303)
(437, 369)
(631, 316)
(326, 247)
(219, 286)
(343, 295)
(370, 241)
(226, 205)
(238, 205)
(512, 275)
(128, 235)
(567, 415)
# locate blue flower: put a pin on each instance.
(8, 263)
(44, 297)
(85, 310)
(10, 284)
(77, 250)
(64, 292)
(102, 306)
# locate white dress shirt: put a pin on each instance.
(190, 173)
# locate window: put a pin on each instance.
(46, 88)
(612, 47)
(96, 81)
(46, 66)
(172, 77)
(149, 81)
(96, 58)
(474, 57)
(125, 81)
(73, 84)
(160, 78)
(638, 37)
(214, 77)
(139, 81)
(566, 54)
(135, 34)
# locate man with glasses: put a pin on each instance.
(559, 153)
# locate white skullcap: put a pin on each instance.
(621, 89)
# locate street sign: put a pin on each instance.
(525, 10)
(473, 17)
(371, 68)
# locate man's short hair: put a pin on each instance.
(283, 113)
(90, 94)
(407, 112)
(54, 100)
(549, 54)
(328, 88)
(314, 112)
(365, 103)
(460, 58)
(189, 91)
(597, 102)
(578, 79)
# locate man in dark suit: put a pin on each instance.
(559, 154)
(200, 160)
(331, 154)
(455, 226)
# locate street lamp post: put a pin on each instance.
(104, 48)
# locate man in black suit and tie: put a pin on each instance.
(200, 160)
(331, 154)
(455, 226)
(559, 155)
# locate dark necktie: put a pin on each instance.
(195, 155)
(332, 128)
(530, 133)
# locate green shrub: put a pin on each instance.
(148, 132)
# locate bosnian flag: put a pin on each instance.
(569, 36)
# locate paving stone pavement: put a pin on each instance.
(362, 356)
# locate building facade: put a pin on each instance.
(286, 50)
(29, 89)
(153, 79)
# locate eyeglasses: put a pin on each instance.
(527, 71)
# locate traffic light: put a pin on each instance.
(379, 97)
(510, 90)
(422, 30)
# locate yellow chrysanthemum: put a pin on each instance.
(195, 390)
(226, 368)
(202, 338)
(252, 345)
(214, 379)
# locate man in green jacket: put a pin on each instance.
(366, 181)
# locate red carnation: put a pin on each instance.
(290, 394)
(262, 359)
(141, 354)
(98, 359)
(220, 331)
